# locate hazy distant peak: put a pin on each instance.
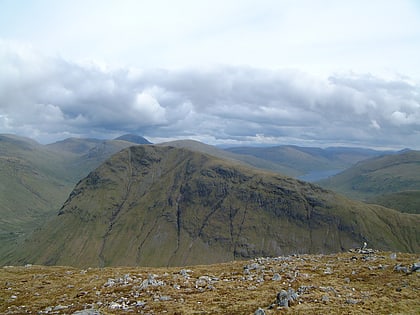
(134, 139)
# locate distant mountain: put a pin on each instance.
(161, 205)
(85, 154)
(77, 146)
(225, 154)
(36, 179)
(309, 163)
(134, 139)
(33, 183)
(391, 180)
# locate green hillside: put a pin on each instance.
(151, 205)
(405, 201)
(390, 180)
(36, 179)
(307, 160)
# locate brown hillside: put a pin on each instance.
(348, 283)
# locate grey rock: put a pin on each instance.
(292, 295)
(259, 311)
(185, 273)
(165, 298)
(140, 304)
(415, 267)
(151, 281)
(304, 289)
(253, 266)
(325, 298)
(88, 312)
(400, 268)
(285, 297)
(276, 277)
(328, 271)
(282, 299)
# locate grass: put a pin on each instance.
(390, 180)
(404, 201)
(345, 283)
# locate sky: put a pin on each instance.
(249, 72)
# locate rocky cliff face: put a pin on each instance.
(163, 206)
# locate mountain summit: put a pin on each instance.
(134, 139)
(167, 206)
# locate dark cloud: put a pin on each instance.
(52, 98)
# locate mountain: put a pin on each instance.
(225, 154)
(36, 179)
(134, 139)
(78, 146)
(391, 180)
(167, 206)
(309, 163)
(32, 184)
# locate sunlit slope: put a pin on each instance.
(150, 205)
(391, 180)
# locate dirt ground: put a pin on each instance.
(345, 283)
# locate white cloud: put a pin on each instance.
(148, 108)
(50, 98)
(374, 124)
(400, 118)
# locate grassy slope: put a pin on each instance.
(391, 180)
(405, 201)
(163, 206)
(32, 184)
(35, 180)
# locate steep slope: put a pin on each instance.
(36, 179)
(381, 180)
(404, 201)
(32, 182)
(151, 205)
(309, 161)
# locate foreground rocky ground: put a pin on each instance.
(359, 282)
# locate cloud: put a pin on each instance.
(50, 98)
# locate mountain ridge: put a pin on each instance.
(165, 206)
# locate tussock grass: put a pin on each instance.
(345, 283)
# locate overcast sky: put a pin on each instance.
(304, 72)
